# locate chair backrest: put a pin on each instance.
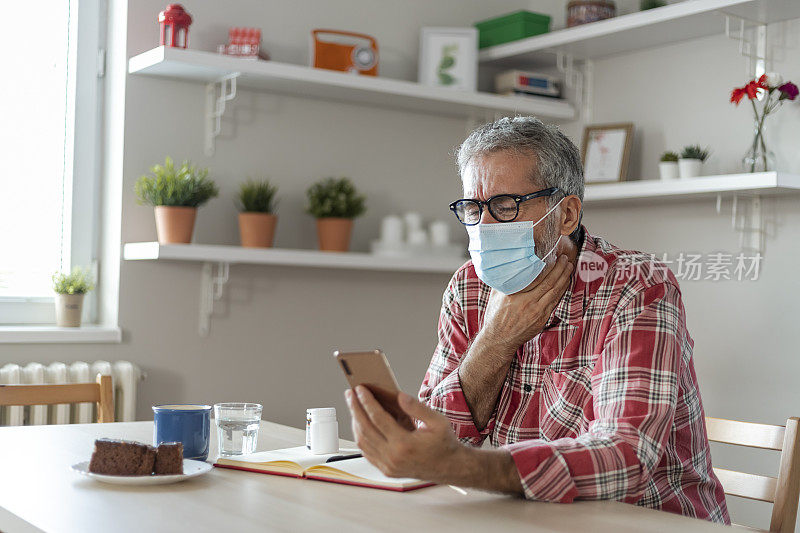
(99, 392)
(783, 492)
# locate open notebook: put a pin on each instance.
(299, 462)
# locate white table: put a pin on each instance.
(39, 492)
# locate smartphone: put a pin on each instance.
(372, 370)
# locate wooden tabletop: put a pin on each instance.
(38, 491)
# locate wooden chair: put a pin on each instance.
(100, 392)
(783, 492)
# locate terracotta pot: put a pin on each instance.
(68, 310)
(257, 230)
(334, 234)
(175, 224)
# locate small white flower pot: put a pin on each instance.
(690, 168)
(668, 170)
(68, 310)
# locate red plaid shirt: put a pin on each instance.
(603, 403)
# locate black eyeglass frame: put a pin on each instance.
(518, 199)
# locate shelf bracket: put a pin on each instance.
(212, 286)
(218, 93)
(747, 220)
(752, 39)
(573, 77)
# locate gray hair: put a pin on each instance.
(558, 161)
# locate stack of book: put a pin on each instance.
(527, 84)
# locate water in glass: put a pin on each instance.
(237, 427)
(237, 436)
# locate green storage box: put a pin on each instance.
(511, 27)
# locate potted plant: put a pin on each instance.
(690, 163)
(175, 193)
(644, 5)
(668, 167)
(334, 202)
(256, 203)
(70, 289)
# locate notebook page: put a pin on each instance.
(364, 469)
(298, 455)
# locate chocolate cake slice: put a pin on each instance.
(122, 458)
(169, 458)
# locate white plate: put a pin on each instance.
(191, 468)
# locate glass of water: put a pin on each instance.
(237, 427)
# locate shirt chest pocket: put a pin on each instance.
(565, 401)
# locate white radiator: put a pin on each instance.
(125, 378)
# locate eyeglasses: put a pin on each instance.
(503, 207)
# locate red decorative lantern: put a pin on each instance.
(174, 22)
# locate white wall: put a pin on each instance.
(272, 340)
(746, 352)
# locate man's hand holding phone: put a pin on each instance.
(429, 450)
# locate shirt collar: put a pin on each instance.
(570, 307)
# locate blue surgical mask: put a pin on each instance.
(504, 254)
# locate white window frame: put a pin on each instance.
(83, 143)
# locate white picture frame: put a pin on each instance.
(448, 57)
(605, 152)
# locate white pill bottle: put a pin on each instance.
(322, 430)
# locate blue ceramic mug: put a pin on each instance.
(188, 424)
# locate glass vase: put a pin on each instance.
(758, 158)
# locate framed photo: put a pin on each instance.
(448, 57)
(605, 152)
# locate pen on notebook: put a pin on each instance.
(343, 457)
(458, 489)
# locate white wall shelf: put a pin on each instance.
(673, 23)
(655, 191)
(216, 260)
(216, 253)
(298, 80)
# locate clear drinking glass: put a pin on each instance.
(237, 427)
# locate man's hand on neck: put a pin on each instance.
(509, 322)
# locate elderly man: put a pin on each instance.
(570, 354)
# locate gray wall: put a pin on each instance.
(276, 327)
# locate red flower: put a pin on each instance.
(737, 95)
(788, 91)
(751, 89)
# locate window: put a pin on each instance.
(49, 141)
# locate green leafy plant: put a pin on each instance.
(447, 62)
(644, 5)
(695, 151)
(186, 186)
(335, 197)
(79, 281)
(256, 197)
(669, 157)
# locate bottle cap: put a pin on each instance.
(320, 413)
